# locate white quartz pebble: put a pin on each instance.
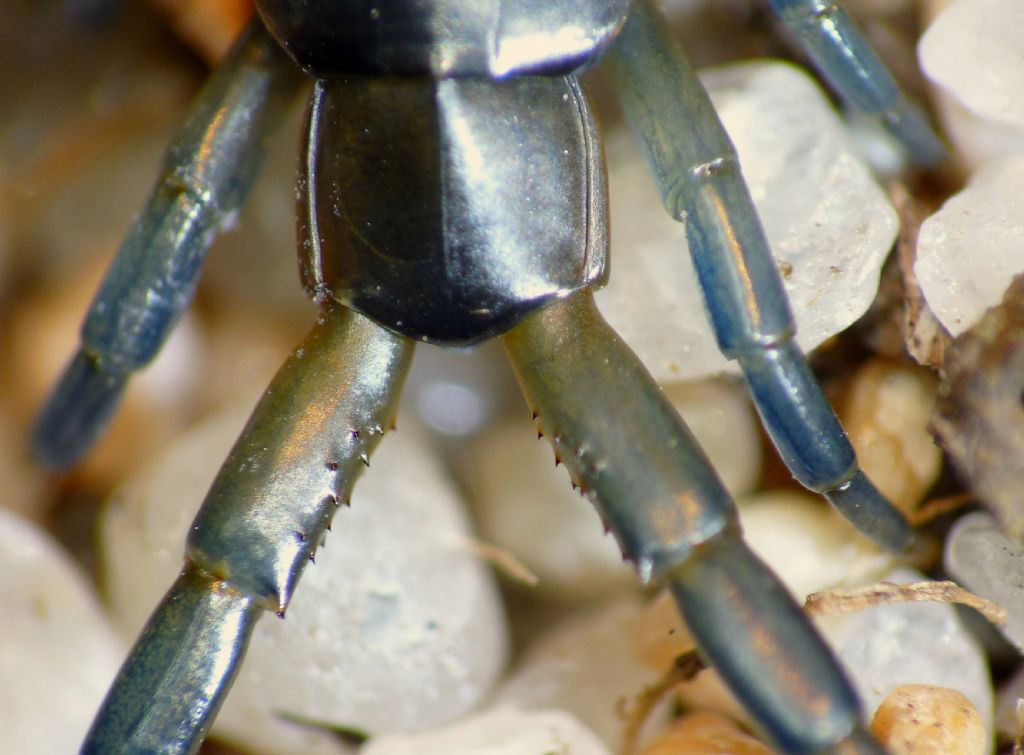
(964, 100)
(975, 140)
(970, 250)
(985, 561)
(884, 647)
(396, 628)
(526, 505)
(58, 653)
(587, 665)
(973, 49)
(501, 731)
(828, 223)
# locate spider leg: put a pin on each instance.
(626, 447)
(267, 511)
(843, 56)
(172, 685)
(208, 171)
(699, 176)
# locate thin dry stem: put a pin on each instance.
(684, 669)
(838, 601)
(504, 561)
(936, 507)
(886, 593)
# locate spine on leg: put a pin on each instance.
(267, 511)
(624, 444)
(299, 455)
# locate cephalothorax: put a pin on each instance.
(452, 189)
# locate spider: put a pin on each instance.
(452, 189)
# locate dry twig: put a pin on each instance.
(684, 669)
(886, 593)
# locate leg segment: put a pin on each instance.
(698, 173)
(625, 446)
(844, 57)
(208, 171)
(173, 683)
(267, 511)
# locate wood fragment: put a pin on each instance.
(925, 338)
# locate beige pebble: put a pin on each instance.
(719, 414)
(886, 415)
(706, 734)
(916, 719)
(807, 545)
(661, 635)
(209, 26)
(586, 666)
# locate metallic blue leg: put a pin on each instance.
(166, 695)
(267, 511)
(698, 173)
(843, 56)
(813, 444)
(626, 447)
(730, 600)
(208, 171)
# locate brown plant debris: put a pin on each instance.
(830, 602)
(684, 669)
(980, 415)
